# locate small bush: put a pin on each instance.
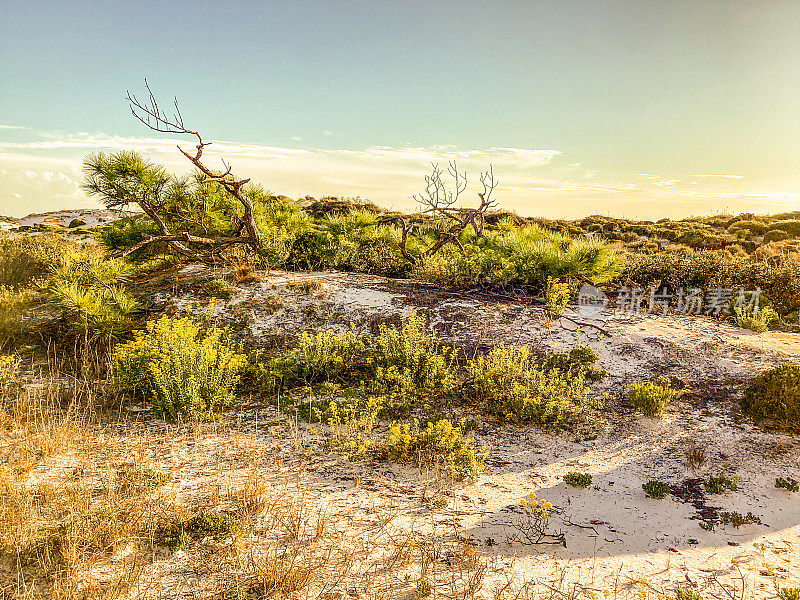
(90, 292)
(789, 594)
(757, 319)
(577, 479)
(218, 288)
(142, 479)
(649, 397)
(720, 484)
(440, 444)
(324, 356)
(508, 384)
(579, 360)
(407, 359)
(773, 398)
(183, 372)
(658, 490)
(204, 524)
(556, 298)
(788, 484)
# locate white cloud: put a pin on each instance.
(326, 133)
(721, 176)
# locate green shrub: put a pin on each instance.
(788, 484)
(129, 231)
(773, 398)
(218, 288)
(324, 356)
(407, 359)
(775, 235)
(720, 484)
(577, 479)
(183, 372)
(658, 490)
(757, 319)
(90, 293)
(524, 256)
(789, 594)
(790, 226)
(579, 360)
(508, 384)
(440, 444)
(556, 298)
(649, 397)
(26, 260)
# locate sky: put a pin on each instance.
(638, 109)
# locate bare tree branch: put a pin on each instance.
(440, 201)
(152, 116)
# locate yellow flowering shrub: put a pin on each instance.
(183, 371)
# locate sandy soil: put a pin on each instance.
(619, 543)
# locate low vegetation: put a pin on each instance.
(773, 398)
(184, 372)
(651, 397)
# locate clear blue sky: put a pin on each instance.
(642, 94)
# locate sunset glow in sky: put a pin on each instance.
(640, 109)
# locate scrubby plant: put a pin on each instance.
(510, 385)
(719, 484)
(651, 397)
(439, 444)
(142, 479)
(733, 518)
(773, 398)
(183, 371)
(658, 490)
(578, 360)
(577, 479)
(787, 483)
(207, 523)
(13, 307)
(323, 356)
(90, 292)
(789, 593)
(25, 261)
(755, 318)
(350, 424)
(556, 298)
(218, 288)
(408, 360)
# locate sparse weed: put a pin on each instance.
(787, 483)
(577, 479)
(651, 397)
(658, 490)
(439, 444)
(720, 484)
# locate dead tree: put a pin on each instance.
(440, 202)
(151, 115)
